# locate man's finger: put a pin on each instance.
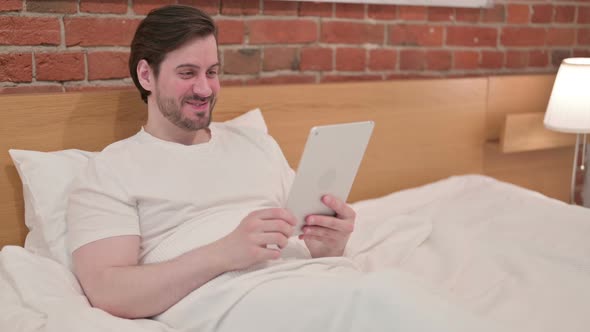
(341, 225)
(265, 239)
(341, 208)
(321, 234)
(277, 226)
(275, 213)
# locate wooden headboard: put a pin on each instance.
(425, 130)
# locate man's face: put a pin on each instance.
(188, 83)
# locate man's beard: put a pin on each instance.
(172, 111)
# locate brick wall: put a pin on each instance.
(64, 45)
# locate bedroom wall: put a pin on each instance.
(50, 45)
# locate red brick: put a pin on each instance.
(349, 10)
(16, 67)
(143, 7)
(281, 8)
(382, 59)
(316, 9)
(242, 61)
(382, 12)
(55, 6)
(467, 14)
(558, 55)
(210, 7)
(516, 59)
(584, 14)
(240, 7)
(494, 14)
(438, 60)
(441, 14)
(349, 78)
(352, 33)
(538, 58)
(104, 6)
(107, 65)
(31, 89)
(512, 36)
(565, 14)
(542, 14)
(277, 58)
(11, 5)
(282, 31)
(579, 53)
(518, 14)
(561, 36)
(415, 35)
(465, 60)
(471, 36)
(84, 87)
(584, 36)
(230, 31)
(282, 79)
(59, 66)
(413, 13)
(29, 30)
(492, 59)
(316, 58)
(351, 59)
(412, 60)
(89, 31)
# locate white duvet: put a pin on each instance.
(464, 254)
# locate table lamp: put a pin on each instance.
(569, 109)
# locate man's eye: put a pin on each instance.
(186, 74)
(212, 73)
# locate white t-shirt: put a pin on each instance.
(177, 197)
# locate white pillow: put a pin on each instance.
(252, 119)
(47, 178)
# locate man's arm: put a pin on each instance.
(113, 280)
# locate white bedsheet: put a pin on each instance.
(437, 256)
(507, 253)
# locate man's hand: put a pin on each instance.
(327, 236)
(247, 244)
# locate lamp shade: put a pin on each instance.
(569, 106)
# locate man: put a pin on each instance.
(180, 176)
(182, 221)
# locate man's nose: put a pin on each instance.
(201, 87)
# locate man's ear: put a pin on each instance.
(145, 75)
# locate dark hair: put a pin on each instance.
(164, 30)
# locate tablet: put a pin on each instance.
(330, 161)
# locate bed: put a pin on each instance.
(437, 197)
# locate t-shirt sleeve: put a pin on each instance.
(99, 207)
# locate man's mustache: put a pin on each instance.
(196, 98)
